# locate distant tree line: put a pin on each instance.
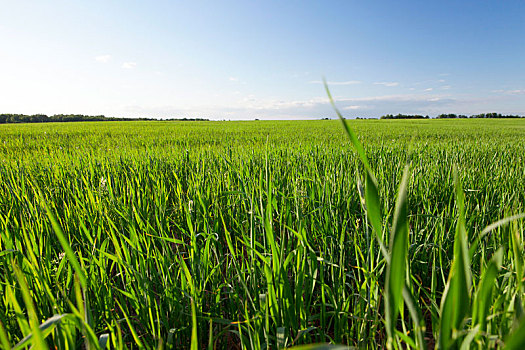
(482, 115)
(404, 116)
(42, 118)
(494, 115)
(451, 116)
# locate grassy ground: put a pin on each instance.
(253, 234)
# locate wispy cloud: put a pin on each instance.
(392, 98)
(429, 89)
(269, 104)
(446, 87)
(511, 92)
(129, 65)
(387, 83)
(103, 58)
(252, 106)
(353, 108)
(347, 82)
(233, 79)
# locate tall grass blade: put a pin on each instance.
(396, 269)
(483, 297)
(45, 328)
(4, 339)
(37, 336)
(516, 340)
(455, 303)
(373, 204)
(194, 339)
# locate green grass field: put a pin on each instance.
(261, 234)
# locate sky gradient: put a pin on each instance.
(261, 59)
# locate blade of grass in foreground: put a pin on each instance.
(373, 205)
(38, 337)
(482, 299)
(516, 341)
(396, 269)
(194, 340)
(456, 297)
(4, 340)
(353, 138)
(396, 257)
(45, 328)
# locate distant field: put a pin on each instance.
(247, 234)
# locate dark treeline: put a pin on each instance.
(482, 115)
(42, 118)
(494, 115)
(404, 116)
(451, 116)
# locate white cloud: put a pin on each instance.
(348, 82)
(251, 102)
(429, 89)
(515, 92)
(233, 79)
(129, 65)
(446, 87)
(510, 92)
(441, 80)
(352, 108)
(251, 106)
(390, 98)
(103, 58)
(387, 83)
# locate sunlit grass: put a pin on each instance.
(260, 234)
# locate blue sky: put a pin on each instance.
(261, 59)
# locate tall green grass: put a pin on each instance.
(261, 234)
(458, 326)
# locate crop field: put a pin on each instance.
(263, 234)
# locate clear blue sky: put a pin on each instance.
(261, 59)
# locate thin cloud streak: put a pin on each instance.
(103, 58)
(387, 83)
(353, 108)
(510, 92)
(251, 107)
(129, 65)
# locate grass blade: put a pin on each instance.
(455, 303)
(396, 270)
(34, 323)
(516, 340)
(482, 299)
(45, 328)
